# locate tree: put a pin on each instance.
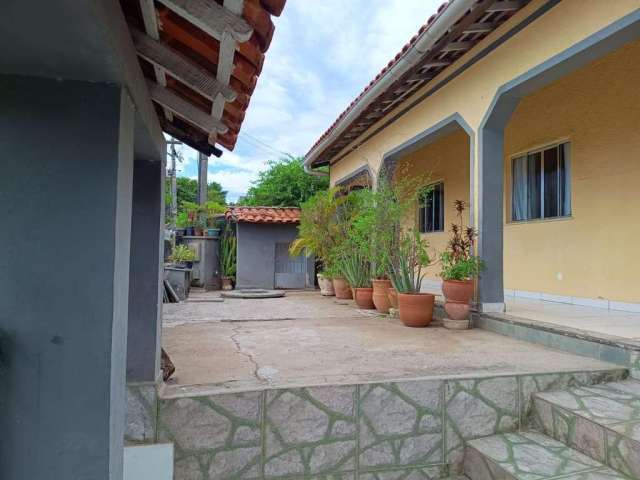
(284, 184)
(187, 191)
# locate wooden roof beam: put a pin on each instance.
(506, 5)
(211, 18)
(181, 67)
(185, 110)
(150, 20)
(457, 46)
(481, 27)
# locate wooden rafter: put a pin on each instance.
(211, 18)
(185, 109)
(150, 20)
(506, 5)
(181, 67)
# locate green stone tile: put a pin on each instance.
(435, 472)
(600, 474)
(531, 384)
(597, 403)
(401, 424)
(310, 431)
(623, 446)
(526, 456)
(478, 408)
(215, 437)
(142, 411)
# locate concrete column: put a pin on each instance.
(490, 219)
(203, 166)
(145, 273)
(65, 210)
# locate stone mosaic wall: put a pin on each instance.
(414, 430)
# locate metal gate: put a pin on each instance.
(291, 272)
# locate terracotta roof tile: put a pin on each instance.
(264, 214)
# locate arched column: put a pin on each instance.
(490, 154)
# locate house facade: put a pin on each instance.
(530, 112)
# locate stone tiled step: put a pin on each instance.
(601, 421)
(531, 456)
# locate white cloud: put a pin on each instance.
(322, 55)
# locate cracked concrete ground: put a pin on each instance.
(306, 339)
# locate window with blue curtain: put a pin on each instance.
(431, 210)
(541, 184)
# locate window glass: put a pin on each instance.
(541, 184)
(431, 210)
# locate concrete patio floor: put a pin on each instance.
(306, 339)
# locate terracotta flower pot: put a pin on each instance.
(416, 309)
(364, 298)
(381, 295)
(393, 297)
(227, 283)
(458, 295)
(342, 289)
(326, 286)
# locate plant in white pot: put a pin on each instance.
(460, 269)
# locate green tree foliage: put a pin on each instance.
(187, 191)
(284, 184)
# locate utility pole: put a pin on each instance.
(174, 187)
(203, 165)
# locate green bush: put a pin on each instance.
(182, 253)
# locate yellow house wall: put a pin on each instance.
(470, 95)
(447, 161)
(594, 252)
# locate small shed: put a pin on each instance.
(264, 235)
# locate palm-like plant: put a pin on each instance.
(406, 263)
(228, 253)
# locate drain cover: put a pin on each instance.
(253, 293)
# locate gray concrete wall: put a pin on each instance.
(256, 253)
(65, 210)
(145, 296)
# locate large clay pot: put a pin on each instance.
(326, 286)
(342, 289)
(416, 309)
(393, 297)
(381, 295)
(364, 298)
(458, 295)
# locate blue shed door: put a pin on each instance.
(291, 272)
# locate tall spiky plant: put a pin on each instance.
(458, 261)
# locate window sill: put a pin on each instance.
(539, 220)
(433, 233)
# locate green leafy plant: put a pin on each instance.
(213, 212)
(458, 261)
(182, 220)
(355, 269)
(320, 231)
(406, 263)
(228, 253)
(182, 253)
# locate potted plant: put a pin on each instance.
(182, 256)
(357, 271)
(214, 211)
(319, 232)
(228, 257)
(405, 270)
(182, 222)
(460, 268)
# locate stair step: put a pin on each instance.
(601, 421)
(531, 456)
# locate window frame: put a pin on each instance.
(540, 149)
(421, 205)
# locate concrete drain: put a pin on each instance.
(253, 293)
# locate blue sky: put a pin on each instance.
(322, 55)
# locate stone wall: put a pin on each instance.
(409, 429)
